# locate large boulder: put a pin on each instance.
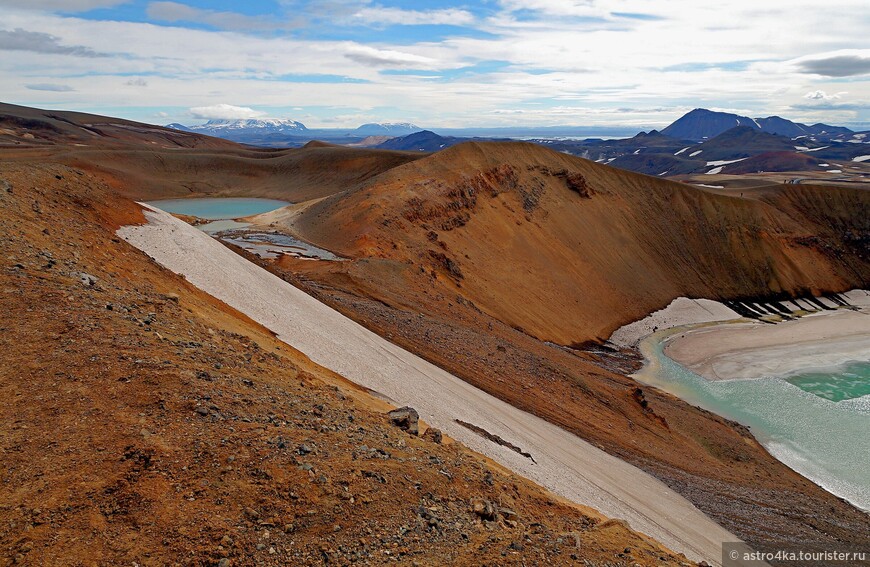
(407, 419)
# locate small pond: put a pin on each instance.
(223, 214)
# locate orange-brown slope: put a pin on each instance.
(150, 162)
(22, 126)
(144, 422)
(421, 301)
(569, 250)
(294, 175)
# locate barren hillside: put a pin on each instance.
(146, 423)
(568, 250)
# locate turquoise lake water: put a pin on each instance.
(817, 423)
(849, 382)
(219, 208)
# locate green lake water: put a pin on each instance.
(817, 423)
(847, 383)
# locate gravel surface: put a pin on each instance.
(562, 462)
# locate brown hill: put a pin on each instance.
(151, 162)
(775, 161)
(295, 175)
(569, 250)
(409, 227)
(21, 126)
(146, 423)
(464, 255)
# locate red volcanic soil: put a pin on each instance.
(568, 250)
(484, 258)
(146, 423)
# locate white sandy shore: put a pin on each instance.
(681, 311)
(752, 350)
(566, 465)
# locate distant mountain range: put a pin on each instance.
(232, 129)
(701, 124)
(387, 129)
(701, 141)
(283, 132)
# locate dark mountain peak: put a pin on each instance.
(748, 135)
(820, 128)
(422, 141)
(650, 134)
(744, 141)
(701, 123)
(782, 126)
(741, 132)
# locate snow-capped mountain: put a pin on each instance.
(250, 126)
(387, 129)
(177, 126)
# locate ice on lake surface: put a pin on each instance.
(222, 213)
(274, 244)
(816, 422)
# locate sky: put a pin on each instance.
(440, 63)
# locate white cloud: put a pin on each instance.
(50, 87)
(559, 61)
(174, 12)
(65, 5)
(397, 16)
(842, 63)
(37, 42)
(577, 8)
(224, 112)
(822, 95)
(373, 57)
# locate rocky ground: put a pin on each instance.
(711, 461)
(145, 423)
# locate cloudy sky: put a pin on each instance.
(339, 63)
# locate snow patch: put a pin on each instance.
(715, 170)
(835, 171)
(710, 186)
(861, 158)
(693, 154)
(724, 162)
(681, 151)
